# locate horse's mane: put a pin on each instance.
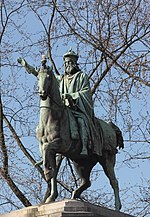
(55, 88)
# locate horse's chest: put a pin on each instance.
(47, 129)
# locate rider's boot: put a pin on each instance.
(84, 147)
(83, 137)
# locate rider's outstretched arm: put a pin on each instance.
(29, 69)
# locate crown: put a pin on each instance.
(71, 54)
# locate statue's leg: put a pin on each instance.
(83, 169)
(53, 182)
(108, 166)
(49, 157)
(83, 135)
(49, 161)
(48, 192)
(53, 191)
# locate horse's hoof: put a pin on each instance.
(49, 200)
(75, 195)
(118, 207)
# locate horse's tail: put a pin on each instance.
(119, 136)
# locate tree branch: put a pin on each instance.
(7, 17)
(15, 189)
(26, 153)
(49, 40)
(4, 172)
(106, 52)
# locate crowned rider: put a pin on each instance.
(76, 93)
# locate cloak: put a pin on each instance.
(78, 86)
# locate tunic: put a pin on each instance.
(78, 86)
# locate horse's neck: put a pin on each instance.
(53, 116)
(53, 101)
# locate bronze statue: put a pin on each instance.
(60, 101)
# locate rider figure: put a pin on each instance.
(76, 93)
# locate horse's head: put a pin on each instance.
(44, 76)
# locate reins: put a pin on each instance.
(60, 106)
(56, 102)
(63, 107)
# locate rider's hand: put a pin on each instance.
(70, 101)
(21, 61)
(67, 96)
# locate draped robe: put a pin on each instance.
(78, 86)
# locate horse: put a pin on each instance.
(53, 133)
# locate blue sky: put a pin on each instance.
(132, 174)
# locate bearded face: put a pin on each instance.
(71, 67)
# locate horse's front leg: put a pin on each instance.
(49, 157)
(52, 185)
(49, 161)
(53, 191)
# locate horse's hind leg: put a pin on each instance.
(83, 169)
(108, 164)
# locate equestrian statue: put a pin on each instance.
(68, 126)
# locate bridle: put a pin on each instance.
(55, 102)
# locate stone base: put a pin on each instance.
(65, 208)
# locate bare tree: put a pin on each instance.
(112, 40)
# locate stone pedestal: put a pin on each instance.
(66, 208)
